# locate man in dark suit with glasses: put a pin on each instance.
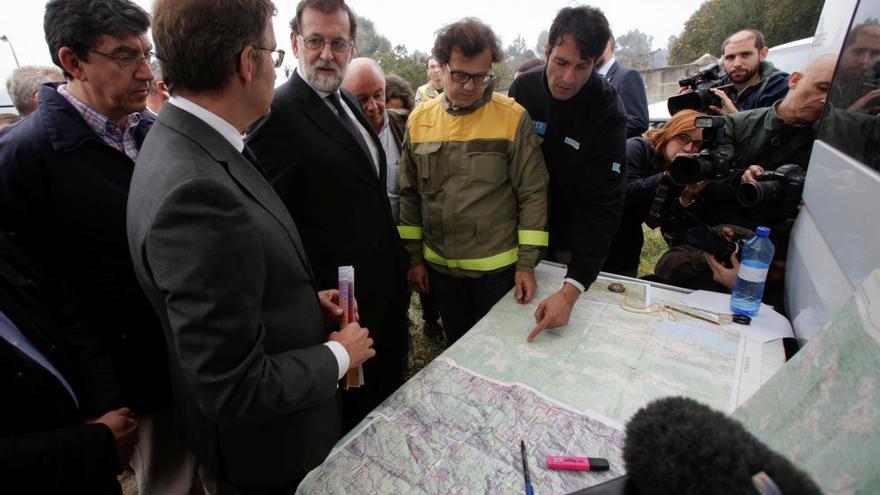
(327, 164)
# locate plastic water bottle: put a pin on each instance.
(757, 253)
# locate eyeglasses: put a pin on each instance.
(686, 139)
(338, 45)
(276, 53)
(461, 77)
(125, 61)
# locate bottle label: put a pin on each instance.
(751, 274)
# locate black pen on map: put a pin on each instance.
(711, 317)
(522, 448)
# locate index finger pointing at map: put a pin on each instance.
(540, 327)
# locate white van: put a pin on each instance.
(836, 238)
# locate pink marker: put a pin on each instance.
(577, 463)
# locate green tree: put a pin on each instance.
(781, 21)
(400, 62)
(518, 52)
(543, 38)
(789, 20)
(634, 49)
(369, 42)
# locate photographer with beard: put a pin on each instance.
(761, 141)
(756, 82)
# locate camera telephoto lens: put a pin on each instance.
(688, 169)
(755, 193)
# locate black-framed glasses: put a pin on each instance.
(277, 55)
(314, 43)
(461, 77)
(125, 61)
(686, 139)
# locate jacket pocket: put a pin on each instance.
(427, 157)
(487, 165)
(488, 160)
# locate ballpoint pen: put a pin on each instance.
(522, 446)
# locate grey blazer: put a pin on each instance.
(221, 261)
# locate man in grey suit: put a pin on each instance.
(254, 373)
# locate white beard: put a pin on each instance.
(327, 84)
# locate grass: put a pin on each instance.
(652, 249)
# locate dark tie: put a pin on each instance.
(352, 127)
(251, 157)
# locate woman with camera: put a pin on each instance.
(650, 192)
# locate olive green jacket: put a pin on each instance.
(473, 187)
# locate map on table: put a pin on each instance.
(607, 359)
(448, 430)
(455, 427)
(822, 410)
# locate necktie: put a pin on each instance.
(251, 157)
(352, 128)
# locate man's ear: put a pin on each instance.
(72, 64)
(246, 65)
(762, 53)
(294, 44)
(547, 53)
(793, 79)
(162, 89)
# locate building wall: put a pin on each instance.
(662, 83)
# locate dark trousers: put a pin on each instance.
(388, 324)
(462, 301)
(430, 314)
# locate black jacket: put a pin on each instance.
(63, 191)
(44, 445)
(584, 148)
(341, 209)
(644, 172)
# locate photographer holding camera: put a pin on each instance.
(748, 81)
(734, 176)
(757, 82)
(649, 189)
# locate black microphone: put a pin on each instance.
(678, 446)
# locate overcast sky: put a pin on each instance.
(408, 22)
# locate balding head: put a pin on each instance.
(366, 80)
(24, 84)
(808, 91)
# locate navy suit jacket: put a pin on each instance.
(631, 88)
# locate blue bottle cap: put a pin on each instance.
(763, 232)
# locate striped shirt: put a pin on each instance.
(121, 139)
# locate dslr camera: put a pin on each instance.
(699, 97)
(713, 162)
(780, 188)
(715, 243)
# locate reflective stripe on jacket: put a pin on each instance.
(473, 187)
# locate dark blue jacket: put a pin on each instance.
(44, 445)
(631, 88)
(63, 191)
(772, 87)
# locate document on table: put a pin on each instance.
(767, 325)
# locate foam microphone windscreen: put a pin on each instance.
(679, 446)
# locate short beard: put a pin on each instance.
(748, 75)
(327, 84)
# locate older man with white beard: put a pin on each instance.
(327, 164)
